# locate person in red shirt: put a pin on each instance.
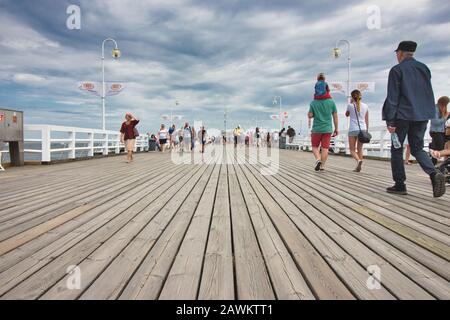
(128, 134)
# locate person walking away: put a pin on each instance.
(162, 136)
(193, 137)
(202, 137)
(324, 113)
(268, 140)
(437, 126)
(407, 148)
(258, 137)
(129, 134)
(172, 137)
(447, 133)
(359, 121)
(236, 135)
(187, 135)
(291, 134)
(408, 107)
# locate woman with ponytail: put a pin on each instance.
(359, 121)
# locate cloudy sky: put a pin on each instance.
(208, 55)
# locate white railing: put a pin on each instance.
(73, 141)
(379, 146)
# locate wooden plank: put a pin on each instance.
(252, 279)
(25, 268)
(217, 280)
(29, 186)
(45, 192)
(40, 281)
(108, 214)
(321, 278)
(105, 203)
(350, 187)
(411, 203)
(349, 271)
(409, 267)
(108, 268)
(30, 234)
(24, 212)
(149, 279)
(281, 236)
(287, 279)
(184, 277)
(435, 263)
(44, 212)
(392, 279)
(378, 179)
(386, 218)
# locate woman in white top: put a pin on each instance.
(162, 137)
(359, 121)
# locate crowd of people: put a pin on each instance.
(408, 109)
(184, 139)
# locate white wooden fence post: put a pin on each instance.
(117, 143)
(106, 147)
(91, 144)
(382, 142)
(46, 144)
(72, 144)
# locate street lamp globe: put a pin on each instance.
(116, 53)
(336, 53)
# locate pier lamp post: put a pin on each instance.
(337, 53)
(115, 55)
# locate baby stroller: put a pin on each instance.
(445, 169)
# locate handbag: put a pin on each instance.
(135, 132)
(363, 136)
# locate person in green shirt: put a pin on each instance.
(324, 113)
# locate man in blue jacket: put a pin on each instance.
(408, 108)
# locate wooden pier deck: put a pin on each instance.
(156, 230)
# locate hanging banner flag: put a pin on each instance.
(174, 117)
(111, 88)
(114, 89)
(274, 117)
(91, 87)
(285, 115)
(341, 87)
(364, 86)
(338, 87)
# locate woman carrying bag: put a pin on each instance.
(129, 133)
(358, 131)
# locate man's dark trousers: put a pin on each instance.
(415, 130)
